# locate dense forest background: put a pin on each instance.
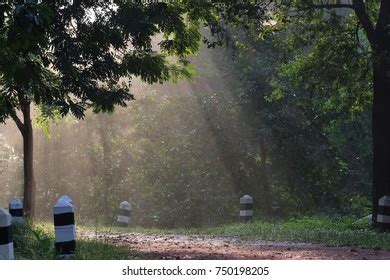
(184, 153)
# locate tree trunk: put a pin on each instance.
(28, 166)
(104, 128)
(381, 130)
(381, 108)
(264, 177)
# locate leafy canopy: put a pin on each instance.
(68, 58)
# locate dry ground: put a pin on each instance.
(220, 248)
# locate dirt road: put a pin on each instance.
(203, 247)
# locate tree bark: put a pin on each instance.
(104, 128)
(264, 177)
(381, 109)
(28, 164)
(381, 131)
(26, 130)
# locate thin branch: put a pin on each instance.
(18, 122)
(364, 19)
(360, 9)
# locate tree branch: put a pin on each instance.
(361, 12)
(18, 122)
(364, 19)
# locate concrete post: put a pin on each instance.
(383, 218)
(16, 210)
(246, 209)
(6, 244)
(65, 230)
(124, 214)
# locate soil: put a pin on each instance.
(198, 247)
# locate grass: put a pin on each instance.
(327, 231)
(92, 250)
(331, 231)
(36, 242)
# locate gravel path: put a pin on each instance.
(220, 248)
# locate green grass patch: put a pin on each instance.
(93, 250)
(327, 231)
(36, 242)
(331, 231)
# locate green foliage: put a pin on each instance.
(32, 242)
(311, 86)
(93, 250)
(331, 61)
(360, 206)
(45, 117)
(327, 74)
(319, 157)
(84, 55)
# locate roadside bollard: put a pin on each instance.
(124, 214)
(6, 244)
(383, 218)
(65, 230)
(246, 209)
(16, 210)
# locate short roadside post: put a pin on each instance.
(16, 210)
(65, 230)
(124, 214)
(6, 244)
(246, 209)
(383, 217)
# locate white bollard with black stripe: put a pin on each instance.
(124, 214)
(6, 244)
(246, 209)
(16, 210)
(383, 218)
(65, 229)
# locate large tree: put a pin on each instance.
(61, 58)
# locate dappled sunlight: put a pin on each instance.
(170, 154)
